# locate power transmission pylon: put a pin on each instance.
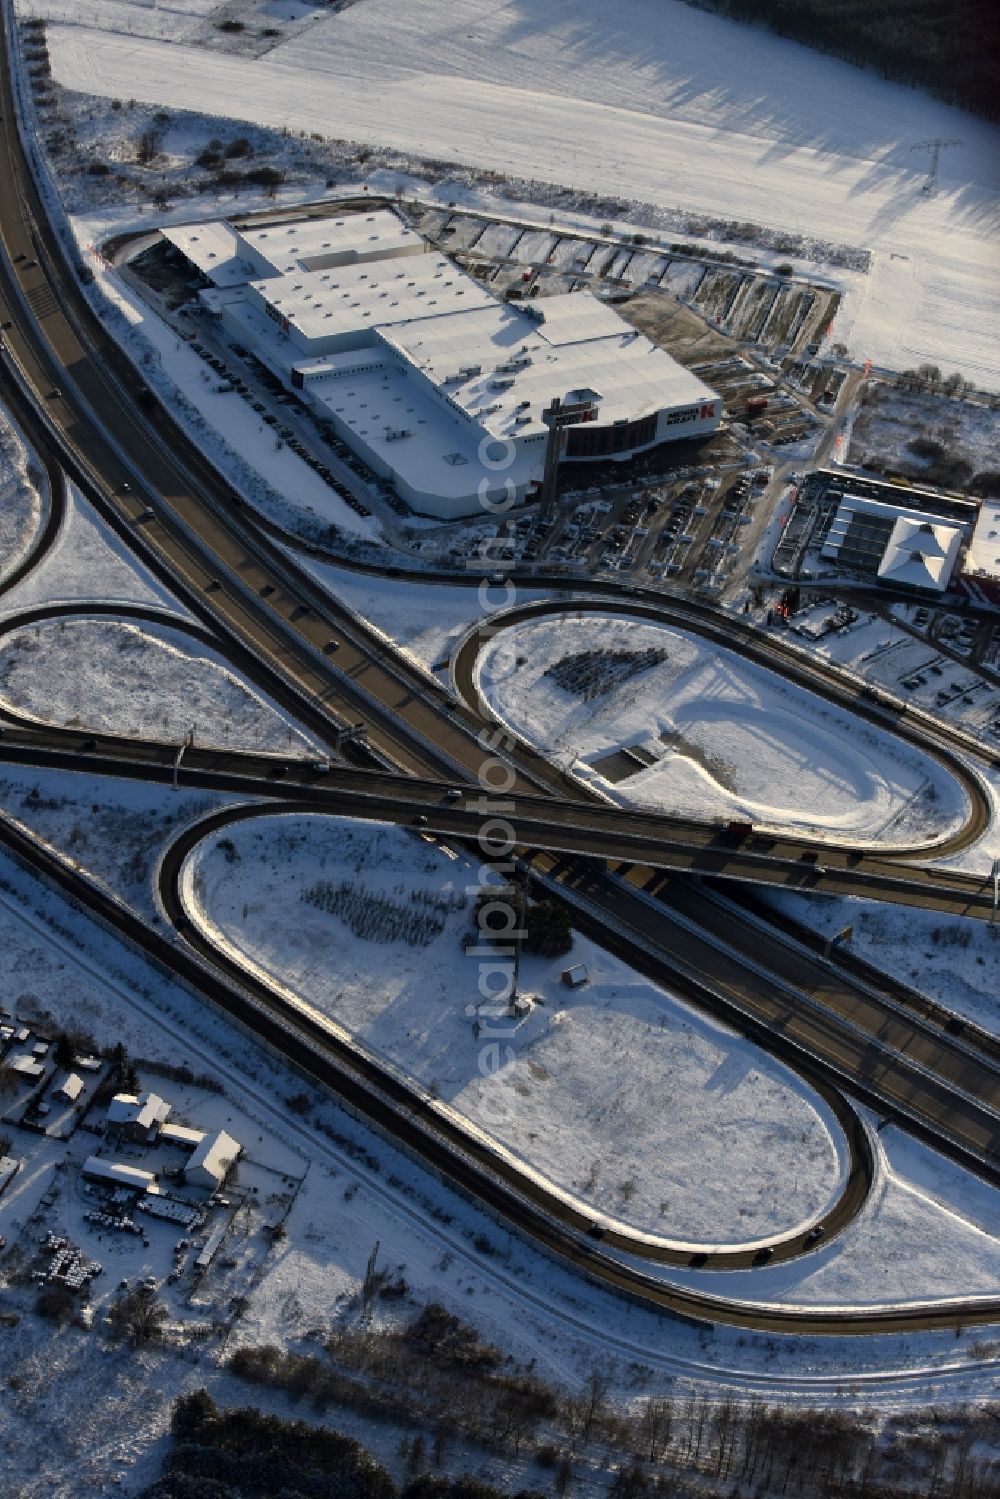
(935, 147)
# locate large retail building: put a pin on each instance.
(436, 384)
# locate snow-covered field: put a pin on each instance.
(730, 739)
(114, 829)
(138, 680)
(652, 100)
(894, 1251)
(88, 562)
(890, 420)
(77, 1421)
(621, 1096)
(24, 499)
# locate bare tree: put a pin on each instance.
(137, 1316)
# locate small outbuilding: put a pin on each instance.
(211, 1160)
(575, 976)
(70, 1088)
(119, 1174)
(180, 1134)
(26, 1065)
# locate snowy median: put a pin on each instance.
(147, 681)
(655, 718)
(622, 1099)
(24, 501)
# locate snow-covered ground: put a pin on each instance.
(24, 499)
(88, 562)
(427, 620)
(112, 828)
(954, 959)
(103, 1417)
(890, 420)
(730, 739)
(911, 668)
(894, 1250)
(574, 93)
(621, 1096)
(147, 681)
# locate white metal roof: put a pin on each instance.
(361, 333)
(920, 554)
(573, 317)
(381, 293)
(520, 364)
(440, 452)
(287, 247)
(853, 505)
(982, 560)
(213, 248)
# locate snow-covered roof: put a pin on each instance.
(143, 1110)
(213, 1157)
(422, 364)
(520, 363)
(439, 446)
(120, 1173)
(982, 560)
(71, 1086)
(309, 242)
(27, 1066)
(896, 531)
(214, 249)
(921, 554)
(180, 1134)
(353, 299)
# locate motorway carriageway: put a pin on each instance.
(469, 1165)
(900, 1057)
(196, 540)
(317, 699)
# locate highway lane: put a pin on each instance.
(222, 567)
(655, 1247)
(647, 840)
(435, 721)
(49, 529)
(297, 614)
(940, 741)
(539, 823)
(378, 1100)
(636, 850)
(900, 1053)
(846, 957)
(897, 1061)
(412, 721)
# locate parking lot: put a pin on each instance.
(684, 531)
(935, 658)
